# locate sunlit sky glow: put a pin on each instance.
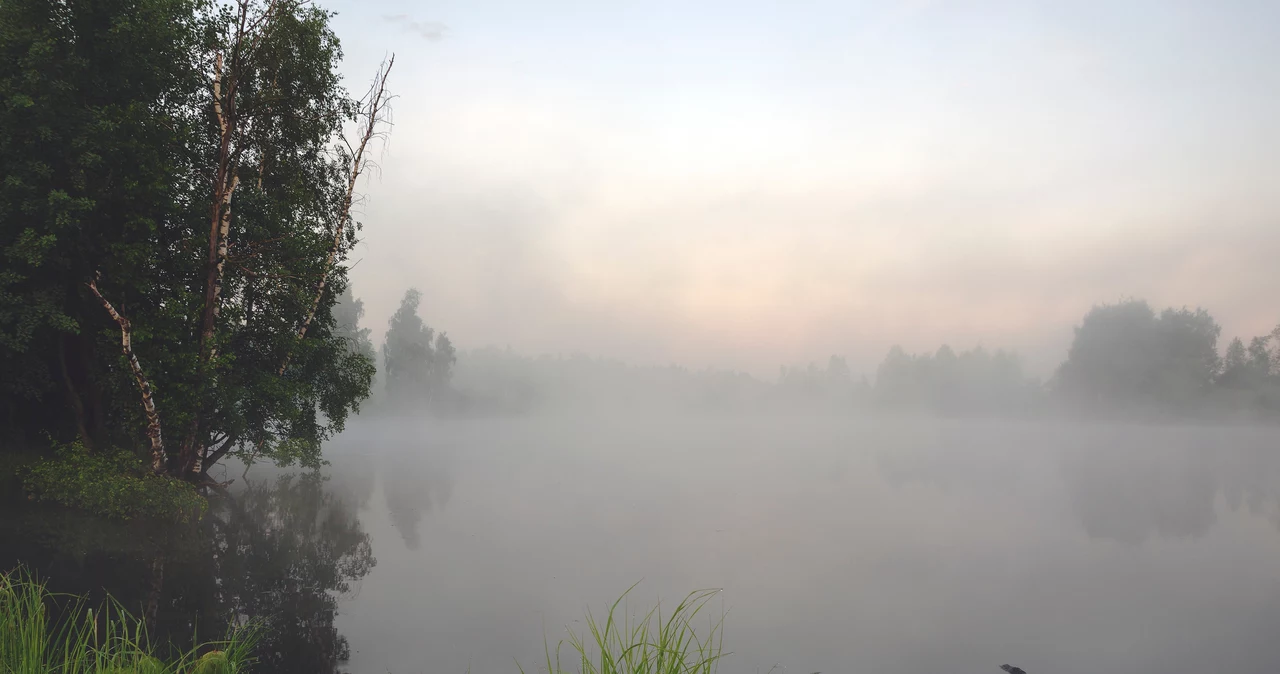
(749, 184)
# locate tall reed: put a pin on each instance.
(652, 644)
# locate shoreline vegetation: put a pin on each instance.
(42, 632)
(113, 484)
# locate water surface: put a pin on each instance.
(841, 545)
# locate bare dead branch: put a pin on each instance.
(373, 112)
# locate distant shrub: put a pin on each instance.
(111, 483)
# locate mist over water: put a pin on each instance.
(934, 335)
(938, 339)
(918, 545)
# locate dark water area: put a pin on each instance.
(281, 551)
(841, 545)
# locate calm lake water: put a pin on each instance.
(840, 545)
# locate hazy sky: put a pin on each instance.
(746, 184)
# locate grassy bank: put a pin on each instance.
(45, 633)
(105, 640)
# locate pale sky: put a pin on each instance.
(749, 184)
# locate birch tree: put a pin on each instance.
(175, 221)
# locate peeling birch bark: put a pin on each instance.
(225, 184)
(144, 386)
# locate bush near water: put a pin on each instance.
(110, 483)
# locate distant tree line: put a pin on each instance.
(814, 385)
(975, 381)
(499, 381)
(1126, 360)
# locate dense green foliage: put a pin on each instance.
(115, 484)
(86, 157)
(107, 640)
(183, 156)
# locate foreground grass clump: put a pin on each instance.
(88, 641)
(114, 484)
(652, 644)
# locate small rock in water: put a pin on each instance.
(1013, 670)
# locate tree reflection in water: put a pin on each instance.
(281, 552)
(1123, 482)
(413, 487)
(284, 552)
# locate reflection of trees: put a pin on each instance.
(280, 552)
(351, 477)
(1123, 482)
(414, 483)
(1129, 483)
(1128, 494)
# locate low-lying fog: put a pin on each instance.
(841, 544)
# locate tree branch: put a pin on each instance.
(374, 112)
(216, 455)
(144, 386)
